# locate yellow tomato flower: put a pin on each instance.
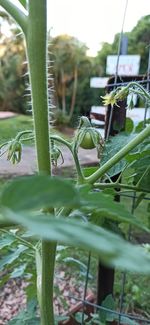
(110, 99)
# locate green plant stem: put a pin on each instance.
(37, 56)
(80, 175)
(118, 156)
(73, 150)
(61, 140)
(22, 133)
(48, 263)
(17, 12)
(119, 185)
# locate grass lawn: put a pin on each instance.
(11, 126)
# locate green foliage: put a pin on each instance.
(10, 127)
(103, 314)
(9, 259)
(12, 82)
(44, 190)
(40, 192)
(112, 146)
(72, 70)
(42, 203)
(107, 314)
(138, 41)
(17, 256)
(27, 316)
(137, 292)
(129, 125)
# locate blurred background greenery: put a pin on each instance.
(70, 70)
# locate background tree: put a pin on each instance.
(138, 43)
(12, 67)
(71, 70)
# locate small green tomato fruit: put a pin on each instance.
(87, 141)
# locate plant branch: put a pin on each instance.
(23, 241)
(22, 133)
(61, 140)
(118, 156)
(73, 150)
(145, 92)
(17, 11)
(80, 175)
(119, 185)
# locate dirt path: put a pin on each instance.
(27, 166)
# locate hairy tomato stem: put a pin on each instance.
(37, 55)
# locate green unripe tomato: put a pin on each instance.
(87, 142)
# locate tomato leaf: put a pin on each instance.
(113, 145)
(36, 192)
(111, 248)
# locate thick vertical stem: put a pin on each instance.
(48, 263)
(37, 56)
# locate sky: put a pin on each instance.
(94, 22)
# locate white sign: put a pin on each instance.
(98, 82)
(98, 110)
(128, 65)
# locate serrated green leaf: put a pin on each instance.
(89, 171)
(27, 316)
(42, 192)
(142, 170)
(112, 147)
(140, 125)
(129, 125)
(82, 267)
(108, 208)
(112, 249)
(140, 151)
(60, 318)
(105, 315)
(6, 241)
(36, 192)
(79, 317)
(10, 258)
(18, 271)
